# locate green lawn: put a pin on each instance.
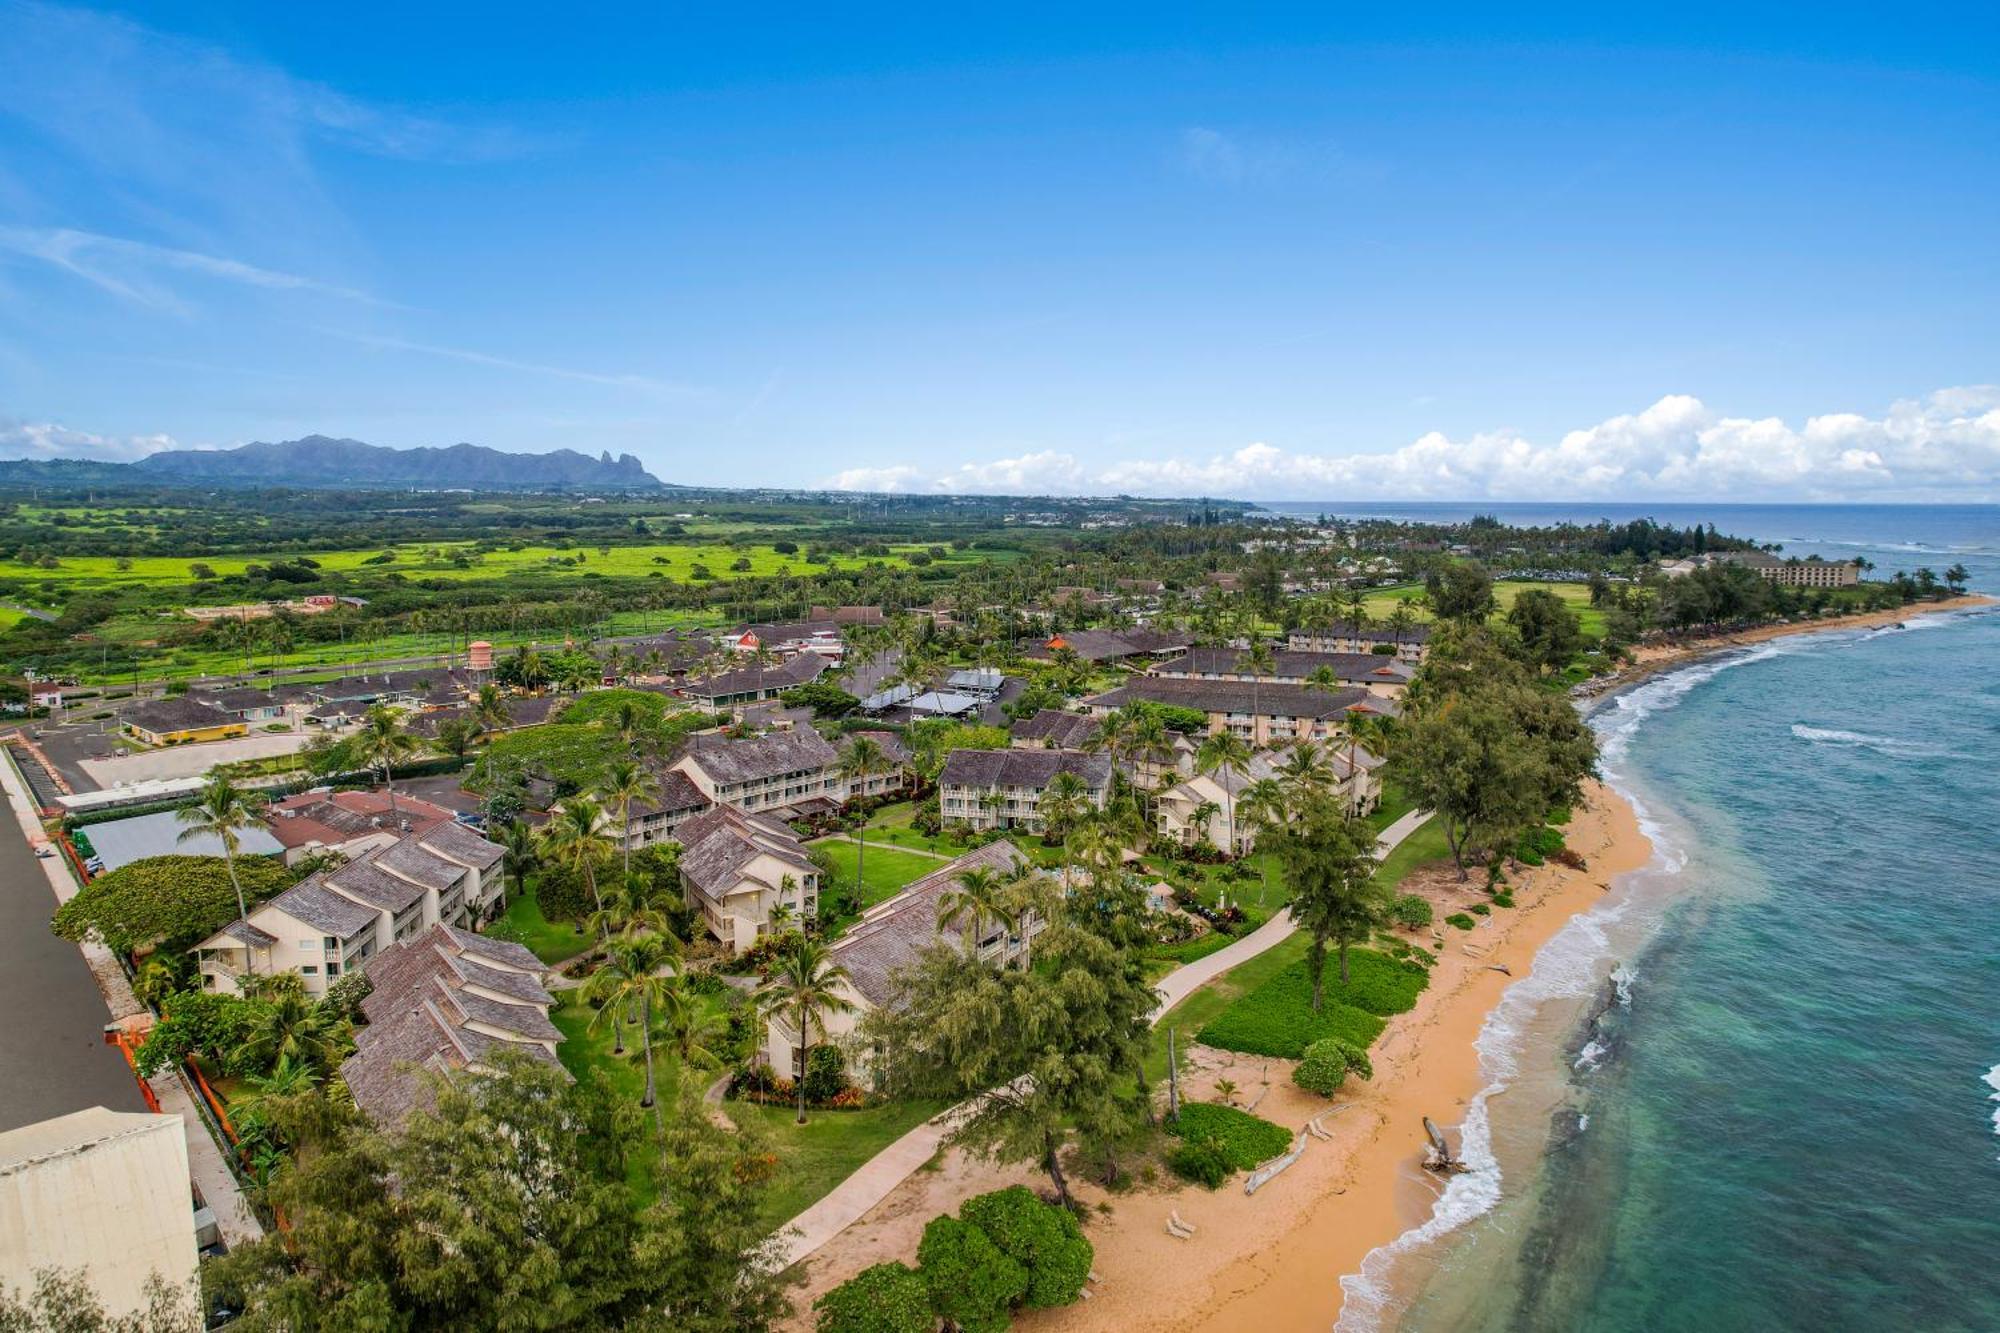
(1382, 601)
(886, 869)
(523, 923)
(826, 1150)
(1277, 1017)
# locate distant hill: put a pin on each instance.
(318, 461)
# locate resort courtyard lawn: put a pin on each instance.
(885, 869)
(827, 1149)
(523, 923)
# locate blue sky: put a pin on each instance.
(1727, 254)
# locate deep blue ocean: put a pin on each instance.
(1757, 1088)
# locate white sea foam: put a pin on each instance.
(1993, 1082)
(1894, 747)
(1591, 1055)
(1622, 977)
(1583, 1122)
(1565, 968)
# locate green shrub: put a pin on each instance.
(1278, 1019)
(888, 1298)
(1537, 845)
(1459, 919)
(1480, 909)
(826, 1073)
(1503, 899)
(1202, 1162)
(1246, 1139)
(1326, 1065)
(1411, 911)
(971, 1282)
(1041, 1237)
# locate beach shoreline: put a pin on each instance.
(1274, 1259)
(1650, 660)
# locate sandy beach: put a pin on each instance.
(1271, 1260)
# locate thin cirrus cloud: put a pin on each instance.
(1946, 445)
(132, 269)
(614, 379)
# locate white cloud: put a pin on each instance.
(1944, 446)
(616, 379)
(48, 439)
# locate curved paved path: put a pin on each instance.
(845, 1204)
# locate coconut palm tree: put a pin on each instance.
(695, 1031)
(519, 851)
(488, 708)
(1257, 662)
(980, 896)
(1305, 771)
(1224, 753)
(804, 990)
(1062, 804)
(455, 736)
(223, 813)
(1203, 815)
(631, 979)
(572, 839)
(624, 783)
(628, 910)
(1267, 807)
(381, 744)
(863, 758)
(290, 1027)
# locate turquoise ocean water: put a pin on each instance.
(1757, 1087)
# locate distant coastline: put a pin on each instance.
(1649, 660)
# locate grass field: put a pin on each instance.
(827, 1149)
(523, 923)
(1576, 596)
(885, 869)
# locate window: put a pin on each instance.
(308, 945)
(309, 969)
(329, 943)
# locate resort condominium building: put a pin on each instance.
(1811, 572)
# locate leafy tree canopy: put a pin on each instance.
(166, 901)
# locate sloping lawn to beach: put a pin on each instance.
(1277, 1018)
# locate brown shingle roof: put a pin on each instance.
(764, 757)
(1268, 698)
(896, 932)
(716, 845)
(1056, 729)
(1022, 768)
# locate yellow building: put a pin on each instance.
(179, 721)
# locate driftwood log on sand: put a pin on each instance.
(1438, 1157)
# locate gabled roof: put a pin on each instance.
(366, 882)
(895, 933)
(330, 913)
(333, 817)
(800, 669)
(717, 845)
(461, 844)
(677, 792)
(1022, 768)
(1288, 665)
(764, 756)
(1056, 729)
(425, 1016)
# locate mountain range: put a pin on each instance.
(320, 461)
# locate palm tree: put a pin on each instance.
(381, 743)
(222, 813)
(1204, 814)
(625, 782)
(863, 758)
(455, 736)
(804, 990)
(571, 839)
(1062, 803)
(980, 897)
(1224, 753)
(628, 909)
(488, 710)
(1257, 662)
(632, 979)
(518, 853)
(1304, 770)
(695, 1031)
(1266, 808)
(291, 1028)
(1401, 621)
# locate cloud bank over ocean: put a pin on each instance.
(1944, 446)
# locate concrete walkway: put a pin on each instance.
(1183, 981)
(848, 1201)
(207, 1167)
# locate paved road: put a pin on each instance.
(53, 1059)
